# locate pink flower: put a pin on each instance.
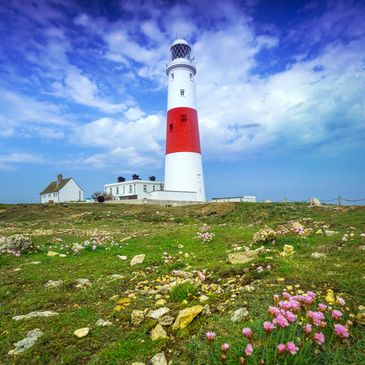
(307, 299)
(286, 295)
(281, 321)
(316, 317)
(225, 347)
(322, 307)
(340, 301)
(290, 316)
(201, 276)
(247, 332)
(274, 310)
(308, 328)
(322, 324)
(276, 297)
(319, 338)
(290, 346)
(295, 305)
(284, 305)
(249, 350)
(341, 331)
(281, 348)
(311, 294)
(210, 336)
(336, 314)
(268, 326)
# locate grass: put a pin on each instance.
(159, 233)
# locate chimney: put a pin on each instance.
(121, 179)
(152, 178)
(59, 180)
(135, 177)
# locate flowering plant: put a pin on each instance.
(204, 235)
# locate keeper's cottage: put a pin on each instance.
(62, 190)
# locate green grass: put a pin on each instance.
(155, 231)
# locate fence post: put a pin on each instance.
(339, 200)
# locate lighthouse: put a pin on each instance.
(183, 159)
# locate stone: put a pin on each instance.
(288, 250)
(137, 316)
(138, 363)
(35, 314)
(186, 316)
(203, 298)
(242, 257)
(315, 202)
(123, 258)
(26, 342)
(62, 255)
(34, 263)
(239, 314)
(319, 231)
(50, 284)
(360, 316)
(76, 248)
(52, 253)
(318, 255)
(330, 233)
(16, 243)
(83, 283)
(264, 235)
(158, 313)
(101, 323)
(206, 310)
(166, 320)
(158, 333)
(158, 359)
(137, 260)
(82, 332)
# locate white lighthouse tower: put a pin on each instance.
(183, 161)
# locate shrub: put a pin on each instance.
(185, 291)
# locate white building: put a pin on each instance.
(244, 198)
(133, 189)
(62, 190)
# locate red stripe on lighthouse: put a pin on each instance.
(182, 132)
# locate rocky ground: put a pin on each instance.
(118, 284)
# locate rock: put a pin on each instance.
(123, 258)
(35, 314)
(76, 248)
(315, 202)
(83, 283)
(101, 323)
(160, 302)
(242, 257)
(114, 277)
(158, 359)
(203, 298)
(62, 255)
(26, 342)
(138, 363)
(137, 260)
(360, 316)
(239, 314)
(52, 253)
(82, 332)
(137, 316)
(264, 235)
(158, 333)
(16, 243)
(319, 231)
(34, 263)
(186, 316)
(206, 310)
(50, 284)
(318, 255)
(166, 321)
(288, 250)
(158, 313)
(330, 233)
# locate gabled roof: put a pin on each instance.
(53, 188)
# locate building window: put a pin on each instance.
(130, 188)
(162, 187)
(172, 76)
(191, 77)
(123, 189)
(145, 188)
(182, 92)
(171, 126)
(117, 190)
(153, 187)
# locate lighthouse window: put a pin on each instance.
(182, 92)
(172, 76)
(171, 126)
(191, 77)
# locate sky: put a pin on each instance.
(280, 94)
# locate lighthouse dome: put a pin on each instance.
(180, 49)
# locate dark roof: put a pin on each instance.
(53, 188)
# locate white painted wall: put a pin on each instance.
(45, 198)
(245, 198)
(184, 172)
(173, 195)
(71, 192)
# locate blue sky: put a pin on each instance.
(280, 88)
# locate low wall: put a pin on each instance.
(164, 203)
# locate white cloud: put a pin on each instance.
(8, 159)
